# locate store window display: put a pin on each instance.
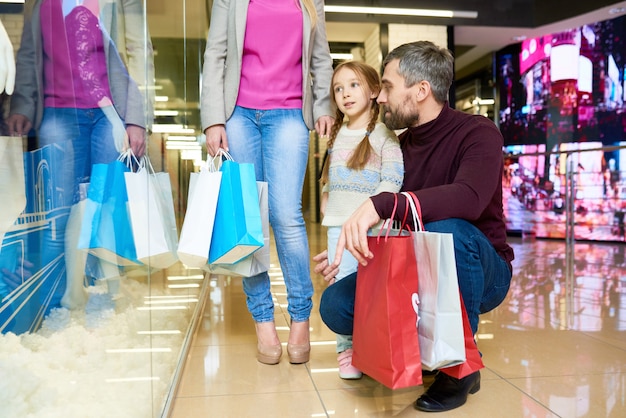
(81, 87)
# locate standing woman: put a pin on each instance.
(266, 83)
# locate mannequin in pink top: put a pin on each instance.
(82, 71)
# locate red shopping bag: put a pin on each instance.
(385, 339)
(473, 360)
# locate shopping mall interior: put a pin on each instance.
(179, 342)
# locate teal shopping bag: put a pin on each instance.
(106, 230)
(238, 229)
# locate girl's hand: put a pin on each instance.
(329, 271)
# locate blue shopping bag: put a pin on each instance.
(106, 230)
(238, 228)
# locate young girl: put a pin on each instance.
(364, 159)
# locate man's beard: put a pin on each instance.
(399, 118)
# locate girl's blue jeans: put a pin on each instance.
(348, 265)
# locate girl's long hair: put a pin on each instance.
(369, 80)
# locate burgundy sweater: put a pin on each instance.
(454, 165)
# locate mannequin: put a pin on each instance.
(7, 62)
(87, 96)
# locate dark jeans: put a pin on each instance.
(484, 278)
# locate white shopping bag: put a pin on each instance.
(151, 209)
(12, 186)
(440, 327)
(197, 229)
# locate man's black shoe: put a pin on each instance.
(447, 392)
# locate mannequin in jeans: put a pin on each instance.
(81, 67)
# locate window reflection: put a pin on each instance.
(83, 93)
(543, 297)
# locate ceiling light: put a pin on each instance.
(183, 286)
(181, 138)
(191, 154)
(166, 113)
(192, 277)
(183, 145)
(159, 128)
(483, 102)
(338, 56)
(401, 12)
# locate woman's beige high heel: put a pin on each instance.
(269, 349)
(299, 352)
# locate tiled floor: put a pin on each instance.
(555, 348)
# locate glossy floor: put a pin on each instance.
(555, 348)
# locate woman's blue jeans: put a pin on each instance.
(86, 137)
(277, 143)
(484, 278)
(89, 141)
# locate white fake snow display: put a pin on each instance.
(93, 362)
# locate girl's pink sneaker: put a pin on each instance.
(346, 369)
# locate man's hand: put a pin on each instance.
(353, 235)
(215, 139)
(328, 271)
(323, 125)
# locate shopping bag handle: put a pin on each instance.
(388, 224)
(128, 158)
(225, 154)
(146, 164)
(416, 210)
(214, 164)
